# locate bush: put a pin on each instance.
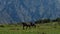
(1, 25)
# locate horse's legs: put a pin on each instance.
(29, 26)
(23, 27)
(35, 26)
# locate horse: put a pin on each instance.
(28, 25)
(33, 24)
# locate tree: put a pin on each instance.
(43, 21)
(58, 20)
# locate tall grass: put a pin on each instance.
(40, 29)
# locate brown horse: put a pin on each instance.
(28, 25)
(33, 24)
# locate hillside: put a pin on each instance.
(12, 11)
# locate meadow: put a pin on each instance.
(47, 28)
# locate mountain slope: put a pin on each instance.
(12, 11)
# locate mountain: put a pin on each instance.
(13, 11)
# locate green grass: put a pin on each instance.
(47, 29)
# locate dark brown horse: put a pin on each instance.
(28, 25)
(33, 25)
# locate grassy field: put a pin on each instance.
(40, 29)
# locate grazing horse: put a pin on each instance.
(33, 24)
(28, 25)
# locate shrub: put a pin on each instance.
(1, 25)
